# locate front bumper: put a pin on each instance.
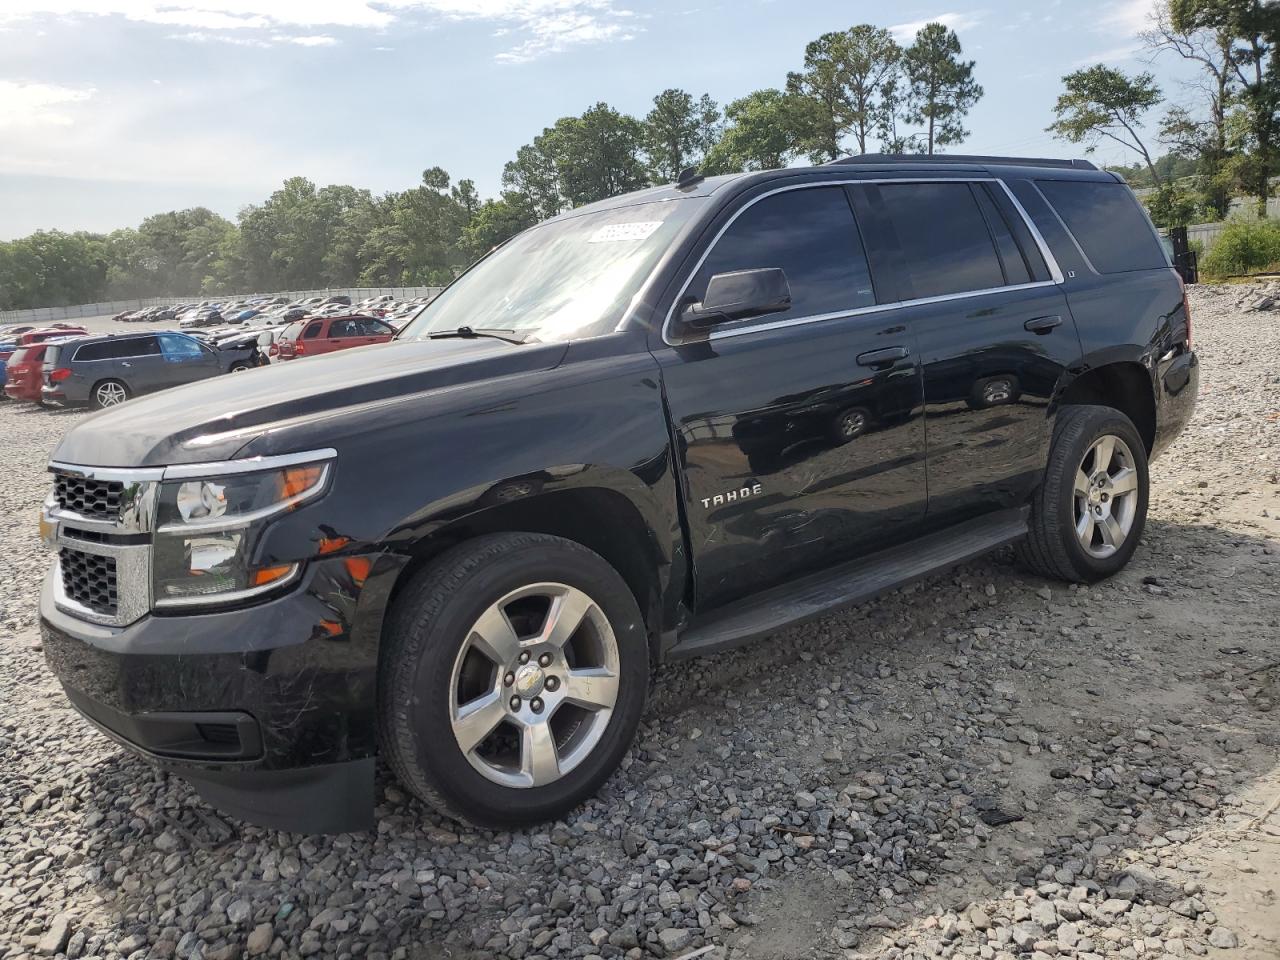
(268, 710)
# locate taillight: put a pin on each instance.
(60, 374)
(299, 348)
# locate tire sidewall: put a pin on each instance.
(1088, 566)
(434, 747)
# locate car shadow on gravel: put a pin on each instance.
(847, 780)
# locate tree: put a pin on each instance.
(821, 91)
(1254, 29)
(940, 86)
(533, 176)
(1201, 134)
(598, 155)
(1102, 102)
(872, 61)
(496, 222)
(761, 133)
(678, 132)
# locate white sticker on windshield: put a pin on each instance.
(621, 232)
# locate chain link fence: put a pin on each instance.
(55, 314)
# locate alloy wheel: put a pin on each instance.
(534, 685)
(1106, 496)
(111, 394)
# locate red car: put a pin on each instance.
(48, 333)
(24, 373)
(327, 334)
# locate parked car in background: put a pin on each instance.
(327, 334)
(244, 351)
(24, 373)
(108, 370)
(49, 333)
(7, 347)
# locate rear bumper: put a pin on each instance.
(17, 391)
(1177, 386)
(268, 711)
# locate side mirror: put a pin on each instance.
(741, 295)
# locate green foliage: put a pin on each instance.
(940, 88)
(1103, 103)
(764, 132)
(1244, 247)
(678, 132)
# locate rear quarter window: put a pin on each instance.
(1107, 222)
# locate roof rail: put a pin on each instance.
(961, 158)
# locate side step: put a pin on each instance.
(855, 581)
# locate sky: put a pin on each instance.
(111, 110)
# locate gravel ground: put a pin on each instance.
(982, 765)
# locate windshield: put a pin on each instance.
(561, 280)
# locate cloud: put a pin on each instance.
(1120, 23)
(537, 27)
(37, 104)
(906, 32)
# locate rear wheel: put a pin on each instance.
(1088, 515)
(109, 393)
(240, 366)
(513, 679)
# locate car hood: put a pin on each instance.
(215, 418)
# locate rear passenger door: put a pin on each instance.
(138, 363)
(995, 337)
(799, 433)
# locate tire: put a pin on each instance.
(108, 393)
(435, 661)
(240, 366)
(1055, 545)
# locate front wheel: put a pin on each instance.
(513, 679)
(1089, 513)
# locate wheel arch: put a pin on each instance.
(603, 520)
(1124, 385)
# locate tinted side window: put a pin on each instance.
(809, 233)
(1011, 259)
(1108, 224)
(92, 351)
(340, 329)
(945, 242)
(312, 331)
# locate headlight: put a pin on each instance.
(207, 530)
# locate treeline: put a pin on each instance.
(1221, 132)
(857, 90)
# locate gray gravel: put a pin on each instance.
(984, 765)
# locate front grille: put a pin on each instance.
(99, 499)
(90, 580)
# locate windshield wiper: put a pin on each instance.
(467, 333)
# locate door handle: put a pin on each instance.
(883, 357)
(1043, 325)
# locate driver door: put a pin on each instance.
(800, 433)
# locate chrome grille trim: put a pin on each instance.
(132, 580)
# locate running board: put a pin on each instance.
(855, 581)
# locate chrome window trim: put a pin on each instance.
(1054, 270)
(866, 311)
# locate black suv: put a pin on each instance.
(656, 426)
